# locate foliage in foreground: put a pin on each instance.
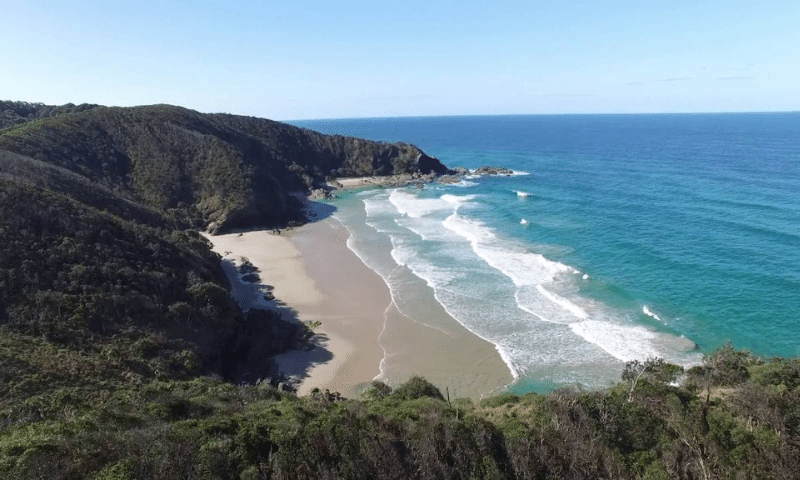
(736, 416)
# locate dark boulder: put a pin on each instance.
(488, 170)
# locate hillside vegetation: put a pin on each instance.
(16, 113)
(205, 171)
(122, 355)
(736, 417)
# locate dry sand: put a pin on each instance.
(316, 277)
(346, 297)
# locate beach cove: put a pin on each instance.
(361, 334)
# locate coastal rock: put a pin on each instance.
(459, 171)
(427, 165)
(488, 170)
(320, 194)
(457, 174)
(450, 179)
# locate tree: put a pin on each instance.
(653, 369)
(377, 390)
(723, 367)
(417, 387)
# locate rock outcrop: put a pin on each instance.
(457, 174)
(487, 170)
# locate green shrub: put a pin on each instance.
(417, 387)
(499, 400)
(377, 390)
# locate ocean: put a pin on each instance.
(619, 237)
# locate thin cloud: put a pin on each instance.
(724, 79)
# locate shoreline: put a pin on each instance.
(316, 277)
(402, 180)
(338, 360)
(421, 337)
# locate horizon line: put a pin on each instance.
(385, 117)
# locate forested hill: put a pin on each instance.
(212, 171)
(15, 113)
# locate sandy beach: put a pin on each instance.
(361, 335)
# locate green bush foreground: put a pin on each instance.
(736, 416)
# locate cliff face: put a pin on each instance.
(208, 171)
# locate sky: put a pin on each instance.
(296, 59)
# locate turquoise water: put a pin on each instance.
(621, 236)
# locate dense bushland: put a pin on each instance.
(206, 428)
(16, 113)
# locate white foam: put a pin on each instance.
(427, 230)
(401, 255)
(464, 184)
(523, 222)
(525, 269)
(405, 254)
(624, 342)
(477, 277)
(647, 312)
(409, 204)
(457, 200)
(563, 303)
(433, 275)
(522, 194)
(376, 205)
(533, 304)
(521, 266)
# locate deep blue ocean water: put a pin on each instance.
(621, 237)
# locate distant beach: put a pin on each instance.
(361, 334)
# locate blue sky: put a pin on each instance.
(299, 59)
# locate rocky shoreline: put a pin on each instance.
(453, 175)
